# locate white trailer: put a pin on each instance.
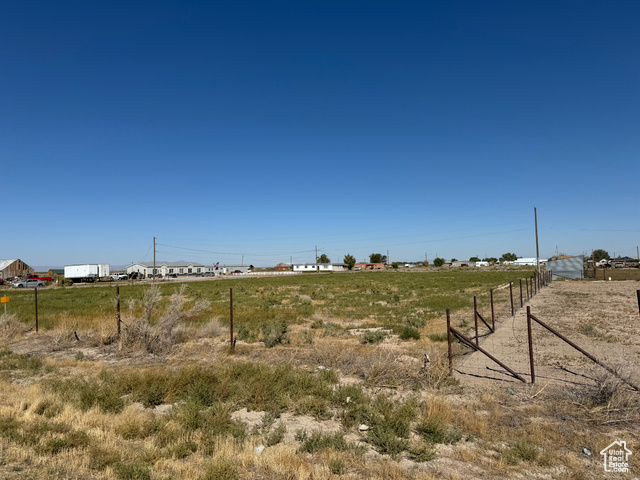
(86, 272)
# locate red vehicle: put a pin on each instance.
(36, 277)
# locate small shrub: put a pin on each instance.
(521, 450)
(323, 441)
(132, 471)
(373, 336)
(317, 323)
(276, 435)
(99, 458)
(433, 430)
(421, 452)
(47, 408)
(386, 441)
(221, 469)
(246, 334)
(438, 337)
(53, 446)
(301, 435)
(337, 466)
(275, 334)
(14, 361)
(184, 449)
(409, 333)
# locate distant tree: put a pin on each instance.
(377, 258)
(350, 260)
(454, 259)
(394, 265)
(438, 262)
(600, 254)
(474, 259)
(323, 259)
(491, 260)
(508, 257)
(425, 264)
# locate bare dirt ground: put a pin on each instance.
(601, 317)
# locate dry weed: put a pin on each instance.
(10, 327)
(142, 333)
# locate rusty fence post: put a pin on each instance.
(118, 317)
(533, 285)
(35, 298)
(521, 304)
(232, 346)
(449, 351)
(475, 319)
(493, 316)
(533, 375)
(513, 312)
(638, 294)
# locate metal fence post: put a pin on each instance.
(35, 298)
(231, 319)
(493, 316)
(638, 294)
(475, 319)
(513, 312)
(118, 317)
(449, 351)
(521, 304)
(533, 375)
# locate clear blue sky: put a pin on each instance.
(264, 129)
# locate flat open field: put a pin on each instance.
(332, 376)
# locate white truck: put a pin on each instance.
(86, 272)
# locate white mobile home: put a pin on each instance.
(319, 267)
(164, 269)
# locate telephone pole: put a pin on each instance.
(535, 214)
(154, 259)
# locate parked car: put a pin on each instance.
(32, 282)
(119, 276)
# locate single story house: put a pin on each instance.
(525, 261)
(231, 269)
(319, 267)
(462, 263)
(169, 268)
(14, 268)
(369, 266)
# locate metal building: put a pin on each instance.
(571, 267)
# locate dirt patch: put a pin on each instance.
(601, 317)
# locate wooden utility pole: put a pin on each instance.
(535, 214)
(154, 259)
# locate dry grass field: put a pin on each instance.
(341, 376)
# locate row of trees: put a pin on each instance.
(350, 260)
